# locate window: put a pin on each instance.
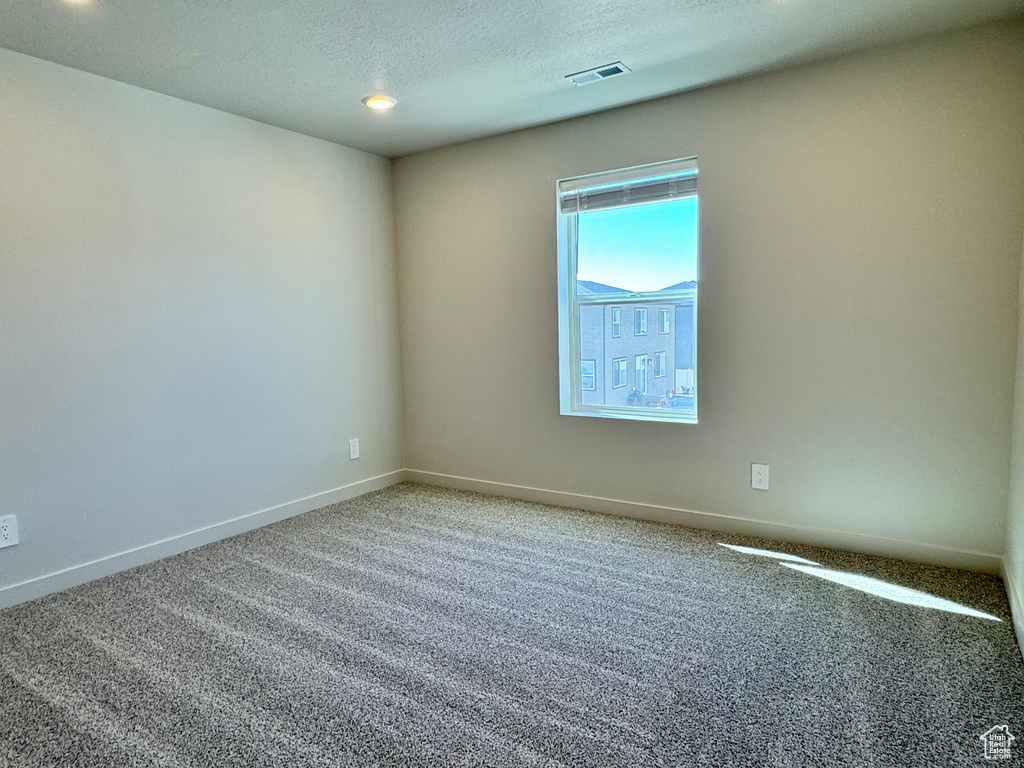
(640, 322)
(619, 372)
(641, 373)
(588, 377)
(628, 242)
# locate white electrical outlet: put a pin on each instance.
(8, 531)
(759, 476)
(353, 448)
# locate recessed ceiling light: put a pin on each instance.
(379, 102)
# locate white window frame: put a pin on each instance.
(616, 322)
(592, 375)
(664, 320)
(615, 370)
(659, 364)
(572, 195)
(639, 321)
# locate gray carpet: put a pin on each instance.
(424, 627)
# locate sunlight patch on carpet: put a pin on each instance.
(890, 591)
(766, 553)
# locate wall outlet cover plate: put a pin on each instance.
(8, 531)
(759, 476)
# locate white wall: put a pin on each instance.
(196, 312)
(861, 249)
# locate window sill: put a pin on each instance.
(667, 415)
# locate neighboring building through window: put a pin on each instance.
(619, 375)
(628, 245)
(640, 322)
(588, 380)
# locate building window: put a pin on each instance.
(640, 321)
(619, 372)
(628, 242)
(641, 374)
(588, 376)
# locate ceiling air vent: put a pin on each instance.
(598, 73)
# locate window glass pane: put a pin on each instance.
(628, 292)
(619, 379)
(638, 248)
(650, 372)
(640, 383)
(640, 321)
(587, 379)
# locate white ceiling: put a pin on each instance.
(459, 69)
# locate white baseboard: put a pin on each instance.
(854, 542)
(872, 545)
(1016, 604)
(148, 553)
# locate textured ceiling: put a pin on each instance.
(459, 69)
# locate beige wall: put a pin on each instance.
(861, 247)
(1014, 573)
(196, 312)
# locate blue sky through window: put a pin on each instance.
(641, 247)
